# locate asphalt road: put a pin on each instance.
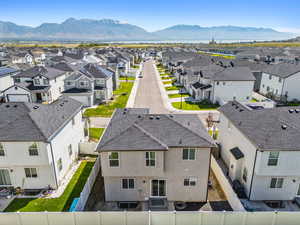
(148, 93)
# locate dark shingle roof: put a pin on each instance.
(139, 130)
(5, 71)
(267, 129)
(96, 71)
(35, 122)
(234, 74)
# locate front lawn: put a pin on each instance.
(95, 133)
(126, 78)
(195, 106)
(166, 78)
(167, 82)
(120, 101)
(62, 203)
(135, 66)
(178, 95)
(173, 88)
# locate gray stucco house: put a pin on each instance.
(155, 159)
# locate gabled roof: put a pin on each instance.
(139, 130)
(282, 69)
(48, 72)
(234, 74)
(6, 71)
(96, 71)
(35, 122)
(268, 129)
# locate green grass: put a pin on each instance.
(173, 88)
(95, 133)
(194, 106)
(120, 101)
(126, 78)
(178, 95)
(214, 135)
(167, 82)
(62, 203)
(166, 78)
(135, 66)
(253, 100)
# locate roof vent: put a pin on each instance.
(139, 116)
(151, 117)
(157, 117)
(35, 107)
(171, 116)
(7, 106)
(284, 127)
(297, 110)
(61, 104)
(241, 110)
(124, 112)
(291, 110)
(15, 106)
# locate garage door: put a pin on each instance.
(18, 98)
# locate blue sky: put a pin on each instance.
(153, 15)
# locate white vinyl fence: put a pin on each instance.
(88, 148)
(151, 218)
(231, 196)
(84, 195)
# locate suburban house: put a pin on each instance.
(39, 143)
(219, 84)
(156, 159)
(90, 85)
(23, 58)
(6, 79)
(280, 81)
(37, 84)
(261, 149)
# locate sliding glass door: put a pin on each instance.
(158, 188)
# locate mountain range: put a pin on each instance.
(113, 30)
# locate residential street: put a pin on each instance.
(149, 96)
(148, 93)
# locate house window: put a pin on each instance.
(268, 88)
(73, 121)
(150, 159)
(270, 77)
(189, 182)
(114, 159)
(245, 174)
(2, 152)
(46, 81)
(128, 183)
(59, 164)
(69, 83)
(279, 80)
(37, 81)
(33, 150)
(188, 154)
(70, 150)
(17, 80)
(273, 158)
(31, 172)
(218, 82)
(224, 83)
(276, 182)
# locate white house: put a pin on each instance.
(261, 149)
(37, 84)
(6, 79)
(39, 143)
(218, 84)
(281, 81)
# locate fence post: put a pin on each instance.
(149, 217)
(174, 217)
(200, 217)
(74, 218)
(274, 219)
(19, 218)
(99, 218)
(245, 217)
(223, 217)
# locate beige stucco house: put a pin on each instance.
(155, 158)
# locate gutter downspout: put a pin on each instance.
(55, 177)
(250, 192)
(208, 173)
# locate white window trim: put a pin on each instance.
(127, 178)
(150, 159)
(114, 159)
(37, 148)
(4, 150)
(37, 172)
(190, 180)
(189, 154)
(277, 178)
(166, 188)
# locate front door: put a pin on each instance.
(39, 97)
(158, 188)
(4, 178)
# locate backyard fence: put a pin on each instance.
(88, 148)
(151, 218)
(84, 195)
(231, 196)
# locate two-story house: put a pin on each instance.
(37, 84)
(39, 143)
(23, 58)
(155, 158)
(261, 149)
(280, 81)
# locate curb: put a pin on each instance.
(131, 99)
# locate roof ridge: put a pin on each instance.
(188, 129)
(150, 135)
